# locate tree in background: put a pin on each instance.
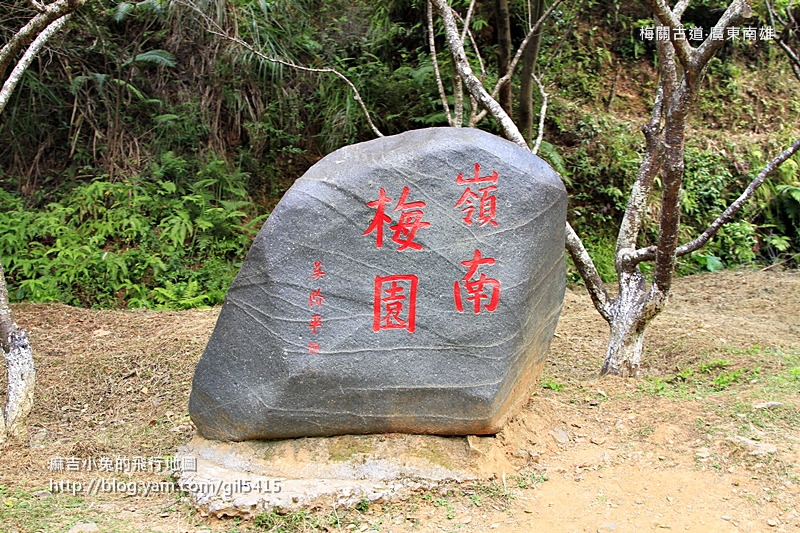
(14, 342)
(788, 38)
(682, 69)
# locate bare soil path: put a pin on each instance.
(693, 445)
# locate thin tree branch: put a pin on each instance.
(649, 253)
(475, 87)
(474, 45)
(736, 13)
(517, 56)
(25, 61)
(634, 213)
(458, 99)
(734, 208)
(466, 20)
(473, 112)
(794, 61)
(666, 17)
(215, 29)
(542, 114)
(588, 271)
(26, 34)
(436, 72)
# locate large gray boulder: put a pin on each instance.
(407, 284)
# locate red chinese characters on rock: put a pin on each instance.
(315, 298)
(318, 273)
(408, 224)
(395, 302)
(476, 288)
(486, 202)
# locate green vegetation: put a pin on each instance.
(772, 372)
(552, 385)
(172, 238)
(136, 169)
(530, 480)
(21, 510)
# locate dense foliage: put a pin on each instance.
(160, 241)
(140, 155)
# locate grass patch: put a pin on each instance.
(552, 385)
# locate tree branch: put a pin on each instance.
(6, 320)
(465, 21)
(794, 60)
(25, 35)
(588, 271)
(513, 65)
(679, 8)
(456, 47)
(22, 65)
(517, 56)
(436, 72)
(667, 17)
(542, 114)
(458, 100)
(736, 13)
(640, 192)
(474, 45)
(649, 253)
(215, 29)
(734, 208)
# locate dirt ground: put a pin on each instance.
(688, 446)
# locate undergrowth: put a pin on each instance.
(172, 238)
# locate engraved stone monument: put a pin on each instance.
(408, 284)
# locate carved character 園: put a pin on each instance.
(395, 302)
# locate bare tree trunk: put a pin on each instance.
(503, 51)
(628, 323)
(529, 58)
(636, 306)
(19, 368)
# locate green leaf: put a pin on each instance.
(156, 58)
(165, 119)
(121, 11)
(714, 263)
(122, 83)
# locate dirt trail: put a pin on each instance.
(586, 454)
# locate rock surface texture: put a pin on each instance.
(409, 284)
